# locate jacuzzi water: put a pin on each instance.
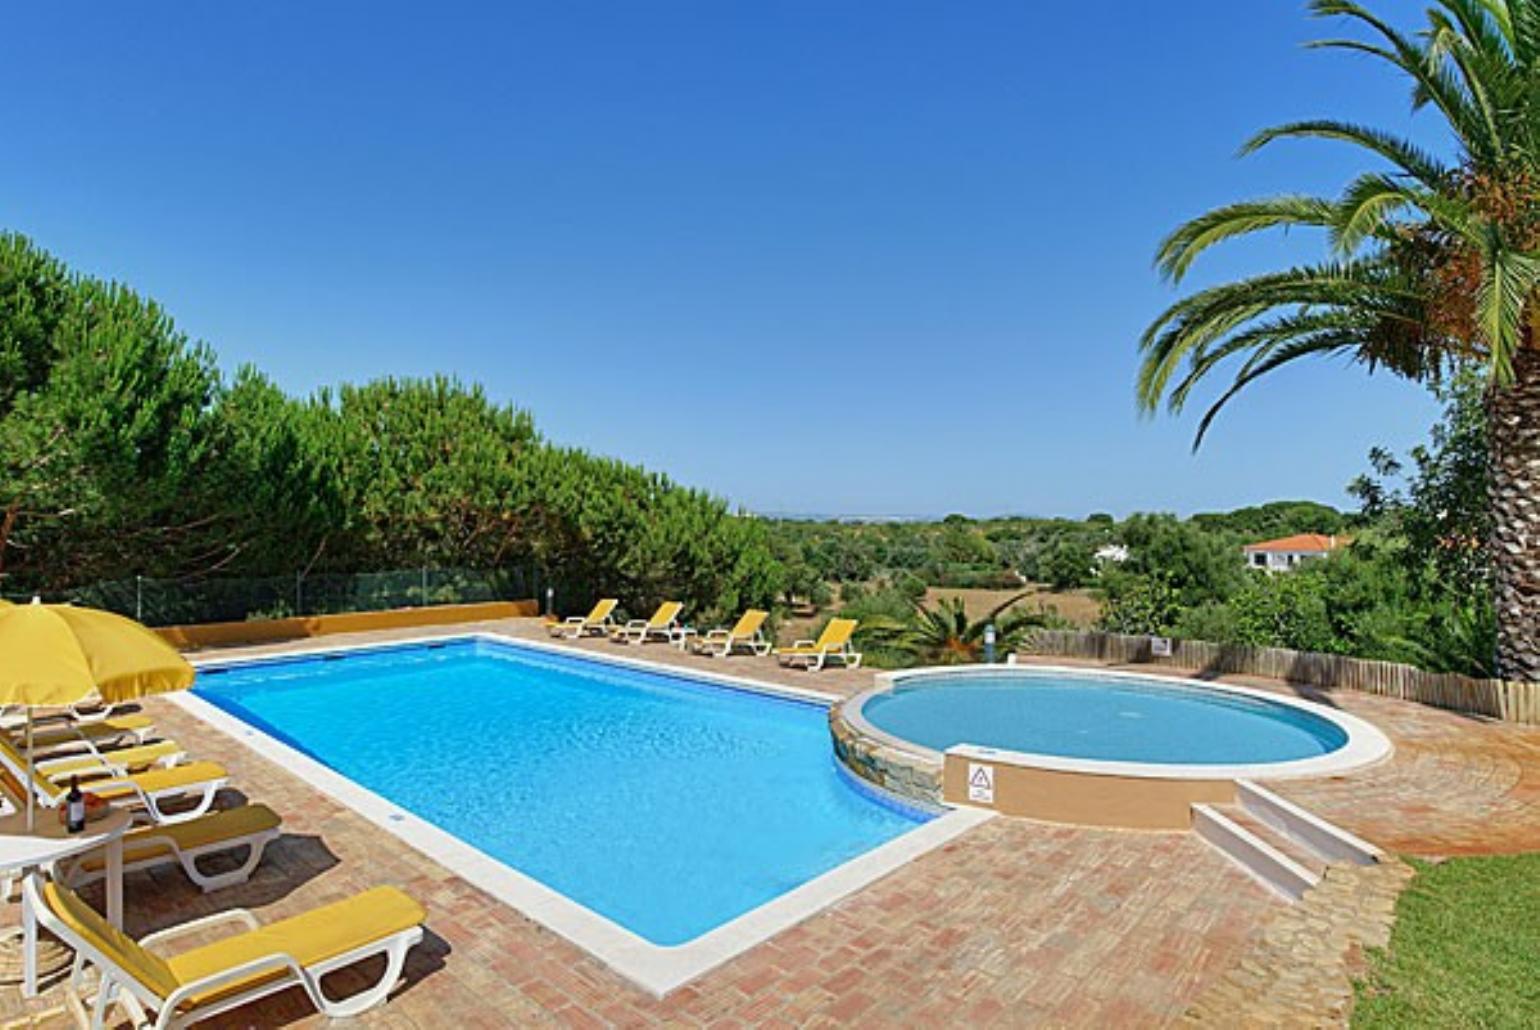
(1103, 718)
(666, 804)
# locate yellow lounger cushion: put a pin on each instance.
(666, 614)
(601, 611)
(139, 962)
(129, 757)
(312, 937)
(113, 726)
(156, 780)
(748, 624)
(232, 825)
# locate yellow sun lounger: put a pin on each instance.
(147, 790)
(595, 623)
(213, 978)
(87, 712)
(832, 645)
(747, 634)
(661, 626)
(162, 754)
(134, 728)
(145, 847)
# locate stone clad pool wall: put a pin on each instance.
(902, 772)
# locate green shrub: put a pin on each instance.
(1140, 605)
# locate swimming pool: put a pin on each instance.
(1102, 718)
(667, 805)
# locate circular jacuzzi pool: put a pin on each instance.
(1124, 720)
(1091, 747)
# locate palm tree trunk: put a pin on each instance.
(1514, 488)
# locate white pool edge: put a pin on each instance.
(821, 697)
(1366, 744)
(654, 968)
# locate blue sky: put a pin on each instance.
(855, 257)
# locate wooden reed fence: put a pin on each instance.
(1499, 699)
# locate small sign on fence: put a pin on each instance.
(1160, 647)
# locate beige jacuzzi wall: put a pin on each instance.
(1086, 799)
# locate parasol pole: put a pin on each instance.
(28, 786)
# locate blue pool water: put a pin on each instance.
(1102, 718)
(665, 804)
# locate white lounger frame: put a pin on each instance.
(576, 626)
(76, 737)
(816, 660)
(720, 643)
(639, 631)
(150, 801)
(117, 986)
(80, 713)
(72, 873)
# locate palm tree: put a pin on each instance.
(945, 635)
(1434, 264)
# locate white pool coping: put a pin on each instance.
(1366, 745)
(655, 968)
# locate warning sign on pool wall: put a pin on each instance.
(981, 783)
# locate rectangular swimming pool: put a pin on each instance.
(666, 804)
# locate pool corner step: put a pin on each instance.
(1266, 856)
(1329, 841)
(1275, 841)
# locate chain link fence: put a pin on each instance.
(171, 602)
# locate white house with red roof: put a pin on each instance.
(1290, 552)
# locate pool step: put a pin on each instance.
(1274, 840)
(1325, 839)
(1280, 868)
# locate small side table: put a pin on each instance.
(681, 637)
(28, 852)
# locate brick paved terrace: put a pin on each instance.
(1014, 923)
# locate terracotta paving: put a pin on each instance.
(1456, 785)
(1015, 923)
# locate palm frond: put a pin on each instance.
(1178, 251)
(1433, 82)
(1269, 360)
(1366, 209)
(1483, 77)
(1521, 25)
(1196, 322)
(1508, 283)
(1411, 159)
(1487, 24)
(1264, 335)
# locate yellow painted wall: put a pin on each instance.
(261, 631)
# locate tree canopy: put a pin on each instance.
(124, 451)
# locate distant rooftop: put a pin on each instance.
(1300, 543)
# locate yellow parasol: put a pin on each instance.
(57, 654)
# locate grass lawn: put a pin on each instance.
(1465, 951)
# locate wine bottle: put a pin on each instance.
(75, 801)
